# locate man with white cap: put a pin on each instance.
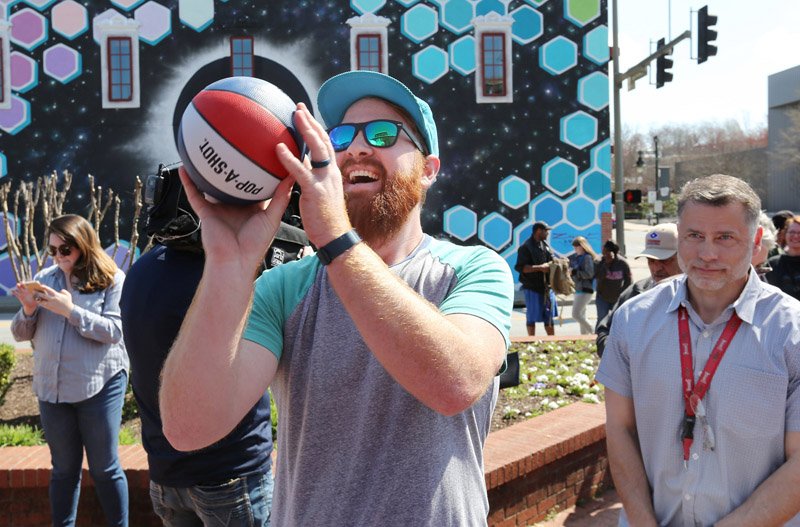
(661, 249)
(382, 352)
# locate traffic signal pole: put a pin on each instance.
(636, 72)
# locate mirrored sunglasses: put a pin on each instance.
(63, 250)
(380, 134)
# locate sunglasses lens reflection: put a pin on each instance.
(63, 250)
(380, 134)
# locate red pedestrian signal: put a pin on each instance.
(633, 196)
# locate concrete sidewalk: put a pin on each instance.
(601, 512)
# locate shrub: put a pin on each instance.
(8, 358)
(21, 435)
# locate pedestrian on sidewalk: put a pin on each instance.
(702, 378)
(533, 266)
(613, 275)
(581, 264)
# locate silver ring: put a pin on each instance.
(320, 164)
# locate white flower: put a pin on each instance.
(590, 398)
(552, 405)
(542, 378)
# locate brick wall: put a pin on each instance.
(547, 463)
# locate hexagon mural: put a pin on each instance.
(419, 23)
(495, 231)
(155, 22)
(24, 72)
(580, 211)
(595, 184)
(528, 25)
(560, 176)
(545, 157)
(70, 19)
(579, 129)
(430, 64)
(581, 12)
(601, 156)
(40, 5)
(62, 63)
(558, 55)
(514, 192)
(460, 222)
(456, 16)
(595, 45)
(126, 5)
(17, 117)
(484, 7)
(366, 6)
(547, 208)
(593, 91)
(28, 29)
(462, 55)
(196, 14)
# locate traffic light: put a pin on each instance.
(705, 35)
(663, 64)
(633, 196)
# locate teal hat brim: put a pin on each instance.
(338, 93)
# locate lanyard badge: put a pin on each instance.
(693, 393)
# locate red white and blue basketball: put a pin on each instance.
(227, 139)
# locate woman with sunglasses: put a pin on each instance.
(80, 366)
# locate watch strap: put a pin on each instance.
(336, 247)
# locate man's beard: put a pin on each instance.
(377, 218)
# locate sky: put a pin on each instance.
(755, 40)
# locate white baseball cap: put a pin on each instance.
(661, 242)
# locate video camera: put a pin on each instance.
(172, 222)
(170, 218)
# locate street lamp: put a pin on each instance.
(640, 169)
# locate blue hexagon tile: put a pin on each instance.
(460, 222)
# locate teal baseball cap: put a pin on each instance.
(338, 93)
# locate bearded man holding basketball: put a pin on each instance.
(382, 352)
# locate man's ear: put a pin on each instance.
(432, 165)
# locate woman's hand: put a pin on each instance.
(26, 298)
(59, 302)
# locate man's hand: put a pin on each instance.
(322, 199)
(236, 234)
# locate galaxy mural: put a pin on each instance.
(519, 89)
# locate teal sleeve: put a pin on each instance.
(278, 292)
(484, 287)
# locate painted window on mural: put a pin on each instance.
(121, 69)
(369, 52)
(242, 56)
(493, 53)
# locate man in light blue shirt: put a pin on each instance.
(681, 454)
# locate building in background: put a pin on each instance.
(519, 88)
(784, 146)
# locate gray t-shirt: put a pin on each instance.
(354, 447)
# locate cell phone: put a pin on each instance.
(34, 287)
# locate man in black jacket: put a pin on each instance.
(661, 248)
(533, 268)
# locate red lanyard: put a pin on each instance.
(692, 393)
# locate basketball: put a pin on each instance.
(227, 138)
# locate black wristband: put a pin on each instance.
(333, 249)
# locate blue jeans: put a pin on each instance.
(245, 501)
(92, 424)
(603, 307)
